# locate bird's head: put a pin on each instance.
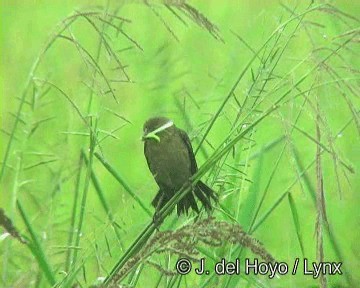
(154, 127)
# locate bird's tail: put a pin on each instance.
(205, 194)
(187, 202)
(183, 206)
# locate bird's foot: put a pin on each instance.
(157, 220)
(189, 184)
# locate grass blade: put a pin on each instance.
(103, 201)
(36, 248)
(295, 217)
(122, 183)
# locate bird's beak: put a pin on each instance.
(150, 135)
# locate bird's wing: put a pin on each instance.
(147, 159)
(187, 142)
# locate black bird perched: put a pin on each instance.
(171, 160)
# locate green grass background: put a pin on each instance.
(184, 73)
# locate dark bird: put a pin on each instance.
(171, 160)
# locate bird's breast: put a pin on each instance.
(169, 161)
